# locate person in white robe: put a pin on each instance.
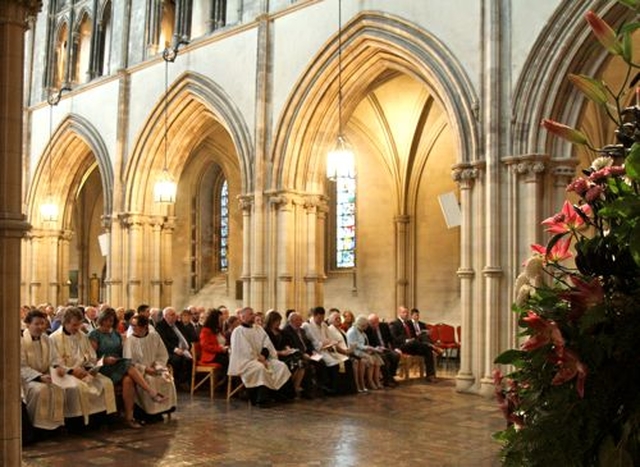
(330, 362)
(323, 342)
(44, 400)
(253, 357)
(148, 353)
(86, 391)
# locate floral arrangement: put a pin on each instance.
(572, 396)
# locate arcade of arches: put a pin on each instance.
(243, 110)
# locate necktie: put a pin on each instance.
(416, 326)
(406, 329)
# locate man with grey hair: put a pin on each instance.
(177, 346)
(380, 338)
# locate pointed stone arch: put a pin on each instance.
(193, 102)
(375, 43)
(566, 45)
(75, 139)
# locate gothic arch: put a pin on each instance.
(564, 46)
(193, 103)
(75, 139)
(375, 43)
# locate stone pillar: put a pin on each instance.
(114, 292)
(284, 250)
(166, 258)
(13, 14)
(135, 227)
(157, 252)
(402, 245)
(466, 177)
(246, 205)
(312, 296)
(63, 267)
(564, 171)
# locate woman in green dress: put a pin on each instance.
(107, 342)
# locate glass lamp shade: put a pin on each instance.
(165, 189)
(340, 161)
(49, 210)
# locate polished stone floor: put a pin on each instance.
(415, 424)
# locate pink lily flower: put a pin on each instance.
(559, 252)
(567, 220)
(545, 332)
(571, 367)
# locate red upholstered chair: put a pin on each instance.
(209, 369)
(447, 339)
(433, 332)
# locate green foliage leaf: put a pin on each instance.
(632, 162)
(509, 357)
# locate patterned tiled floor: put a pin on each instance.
(416, 424)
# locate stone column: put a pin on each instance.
(563, 171)
(166, 259)
(284, 250)
(157, 252)
(13, 14)
(63, 266)
(246, 205)
(312, 297)
(402, 245)
(466, 177)
(115, 262)
(135, 225)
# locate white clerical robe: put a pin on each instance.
(45, 401)
(93, 394)
(145, 352)
(321, 338)
(246, 346)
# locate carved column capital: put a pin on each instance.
(132, 220)
(465, 176)
(246, 202)
(18, 11)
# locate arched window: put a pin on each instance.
(167, 24)
(345, 222)
(62, 54)
(223, 232)
(104, 42)
(83, 51)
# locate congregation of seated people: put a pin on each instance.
(81, 363)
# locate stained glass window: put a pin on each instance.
(345, 222)
(224, 227)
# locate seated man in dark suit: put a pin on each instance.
(296, 338)
(404, 338)
(177, 346)
(380, 337)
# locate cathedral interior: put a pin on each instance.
(174, 152)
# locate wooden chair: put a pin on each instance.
(230, 389)
(209, 369)
(411, 362)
